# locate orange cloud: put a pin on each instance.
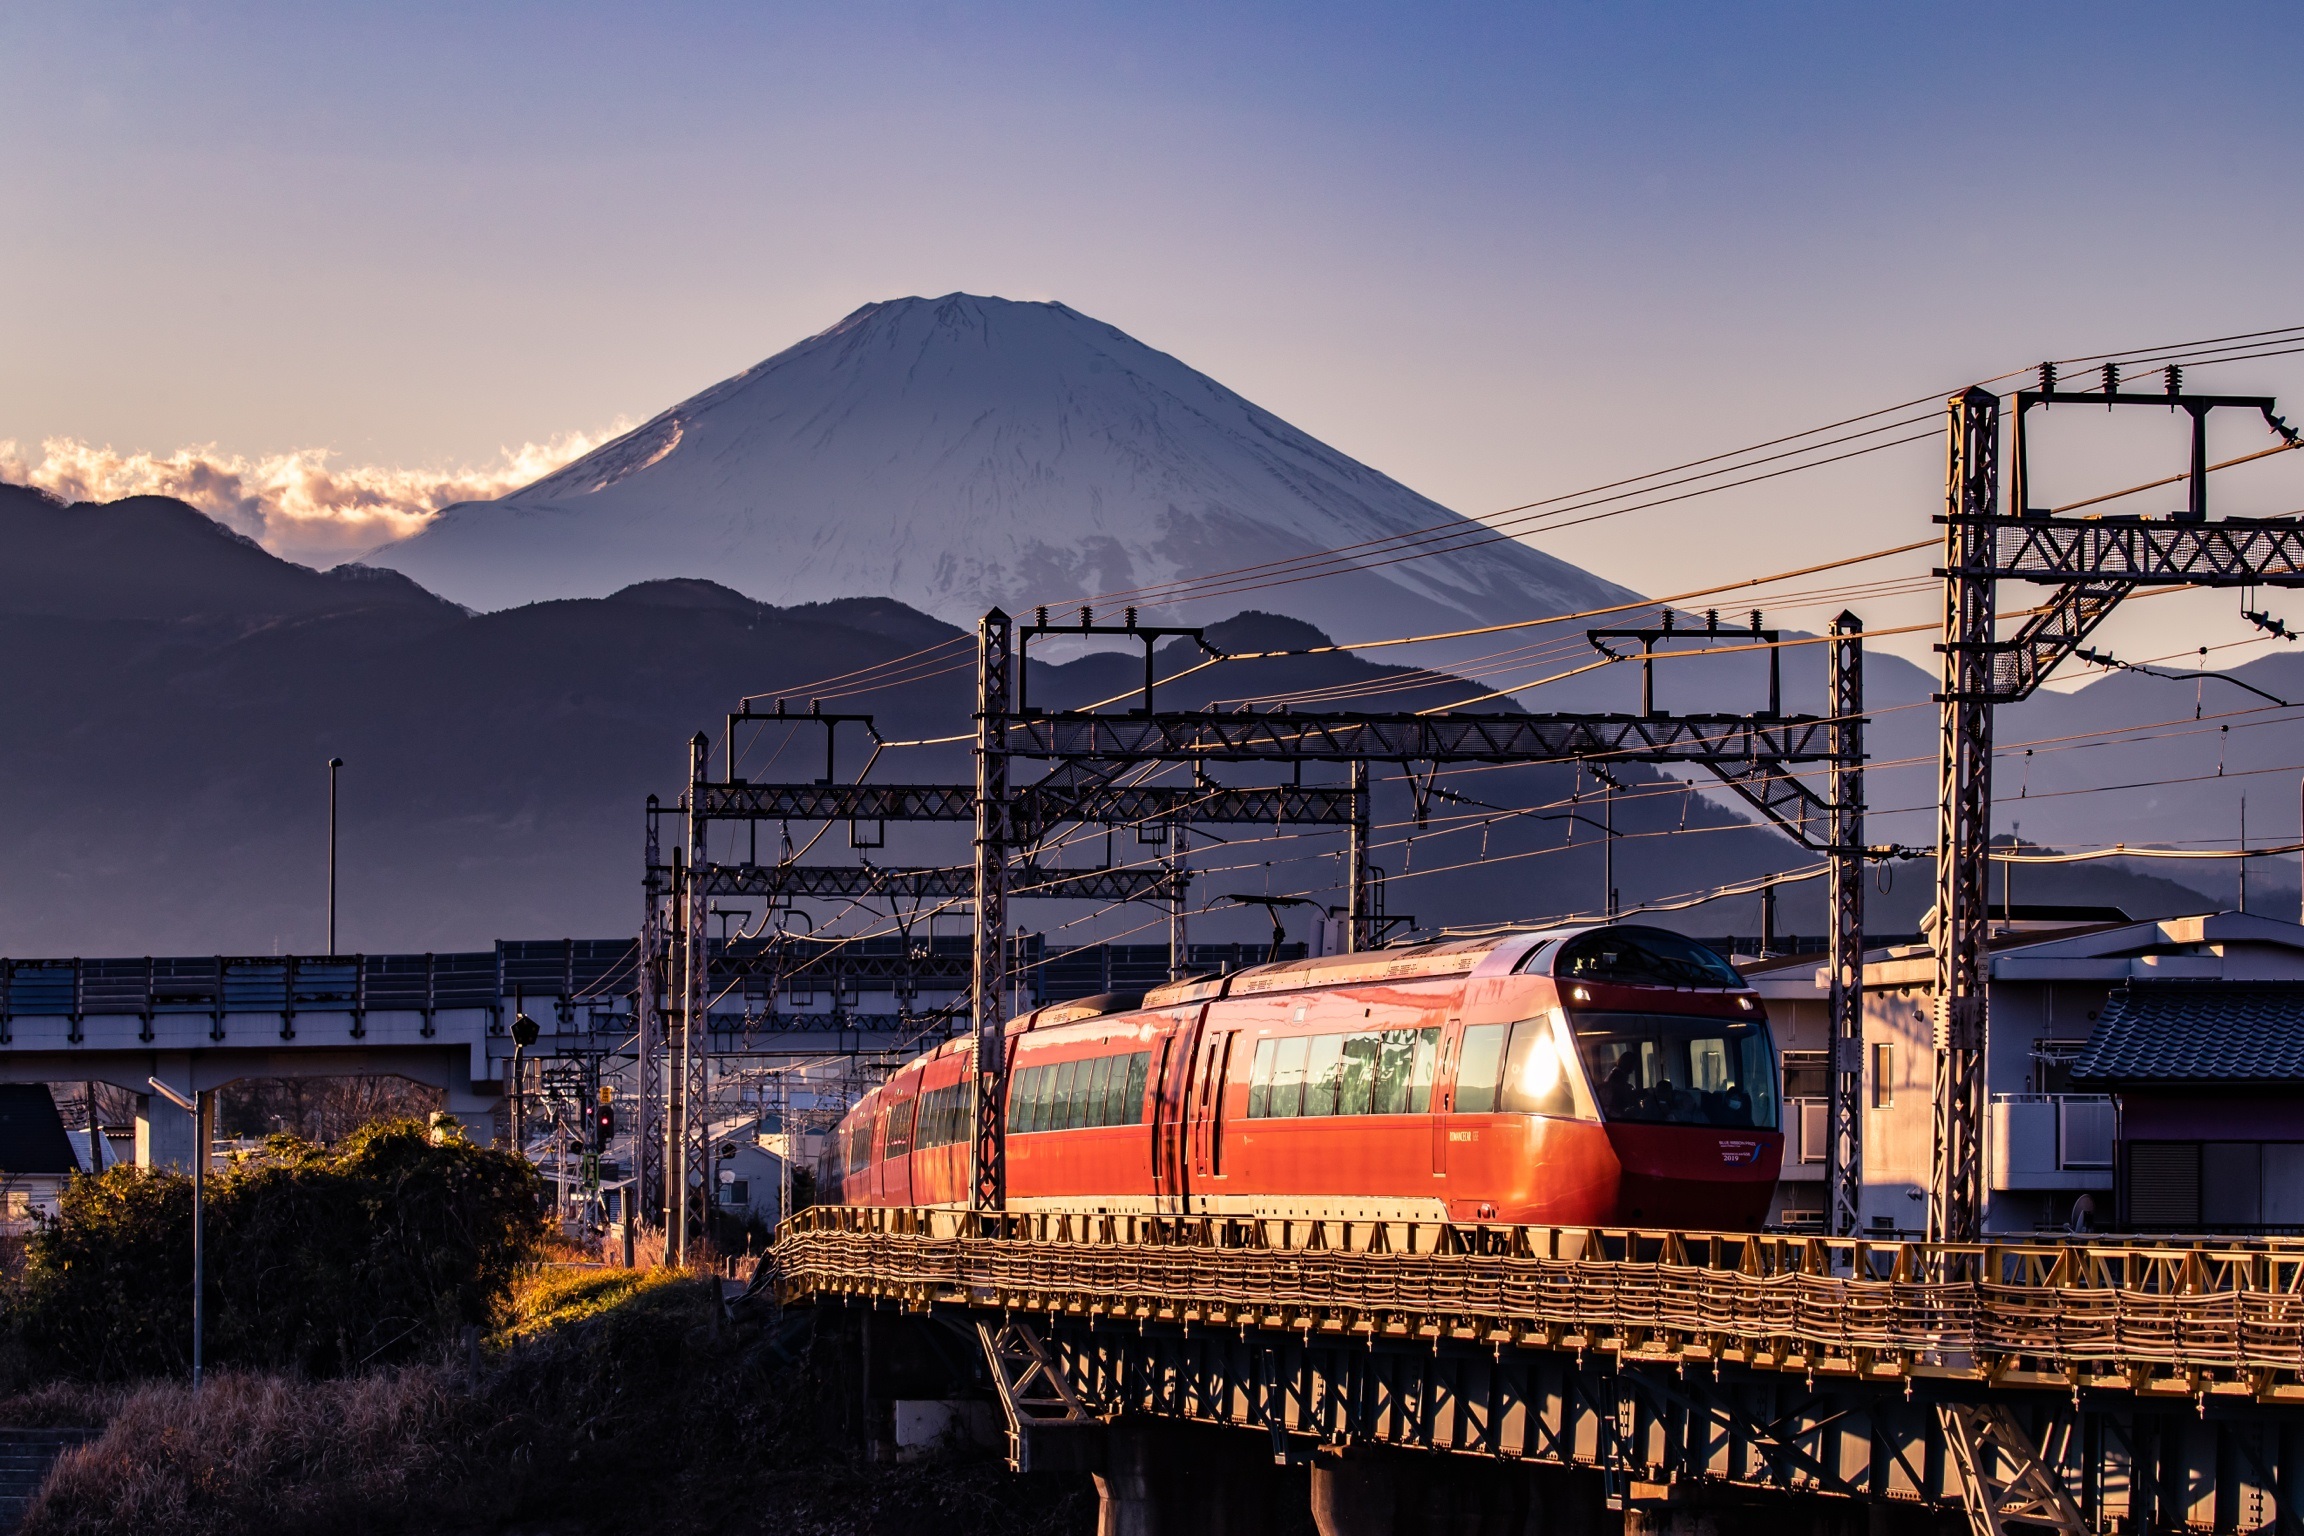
(294, 503)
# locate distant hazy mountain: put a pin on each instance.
(959, 452)
(173, 692)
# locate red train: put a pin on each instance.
(1579, 1077)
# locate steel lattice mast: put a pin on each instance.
(2092, 563)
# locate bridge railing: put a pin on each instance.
(2197, 1318)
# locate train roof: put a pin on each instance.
(1406, 962)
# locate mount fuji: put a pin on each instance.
(961, 452)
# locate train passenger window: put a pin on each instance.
(1111, 1083)
(1260, 1079)
(1479, 1068)
(1044, 1105)
(1536, 1071)
(1086, 1095)
(1065, 1105)
(1395, 1061)
(899, 1129)
(1323, 1064)
(1355, 1088)
(1425, 1069)
(1288, 1077)
(1139, 1075)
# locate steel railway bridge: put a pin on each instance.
(2121, 1386)
(2133, 1387)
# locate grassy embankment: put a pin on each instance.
(341, 1285)
(607, 1398)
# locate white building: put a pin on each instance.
(2044, 1145)
(748, 1167)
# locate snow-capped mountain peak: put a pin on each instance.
(959, 452)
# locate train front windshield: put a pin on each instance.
(1669, 1069)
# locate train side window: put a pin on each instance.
(1139, 1076)
(1323, 1066)
(1111, 1077)
(1260, 1079)
(1425, 1069)
(1355, 1088)
(899, 1130)
(1080, 1103)
(1082, 1100)
(1116, 1093)
(1060, 1096)
(1046, 1110)
(1479, 1069)
(1536, 1071)
(1288, 1077)
(1092, 1078)
(1395, 1071)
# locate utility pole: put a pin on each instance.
(1608, 843)
(1844, 838)
(989, 1167)
(692, 1107)
(2092, 563)
(334, 764)
(1964, 812)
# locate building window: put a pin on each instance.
(1807, 1075)
(1883, 1075)
(740, 1192)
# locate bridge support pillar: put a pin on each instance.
(1127, 1489)
(1354, 1495)
(165, 1134)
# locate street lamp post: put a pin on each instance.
(334, 763)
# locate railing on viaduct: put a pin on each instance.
(2097, 1386)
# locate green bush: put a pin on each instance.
(318, 1261)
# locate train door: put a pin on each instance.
(896, 1155)
(1444, 1093)
(1210, 1078)
(1173, 1080)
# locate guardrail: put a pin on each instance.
(2174, 1319)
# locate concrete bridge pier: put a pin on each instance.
(1377, 1491)
(1169, 1479)
(166, 1136)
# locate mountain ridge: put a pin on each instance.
(961, 452)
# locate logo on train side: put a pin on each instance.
(1736, 1153)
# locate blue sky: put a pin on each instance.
(1498, 252)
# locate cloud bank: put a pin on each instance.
(294, 504)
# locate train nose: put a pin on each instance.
(1705, 1180)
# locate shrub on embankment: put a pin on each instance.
(319, 1261)
(607, 1400)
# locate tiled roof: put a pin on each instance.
(2197, 1032)
(32, 1138)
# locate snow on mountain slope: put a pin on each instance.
(959, 452)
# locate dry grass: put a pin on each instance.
(609, 1400)
(256, 1453)
(62, 1405)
